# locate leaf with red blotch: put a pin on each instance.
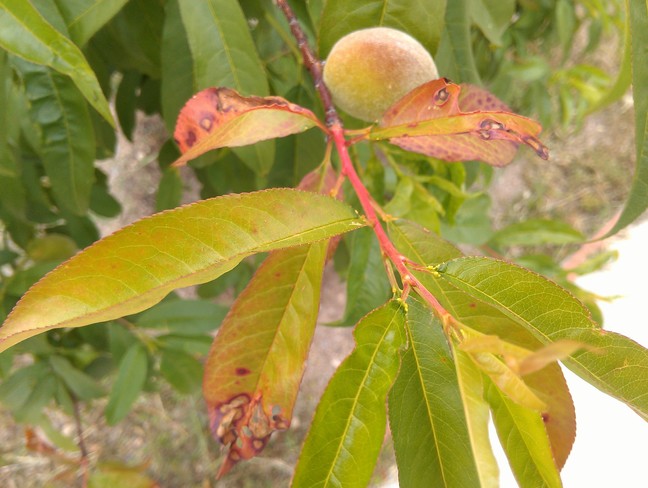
(257, 360)
(220, 117)
(458, 123)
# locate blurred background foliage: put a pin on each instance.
(61, 62)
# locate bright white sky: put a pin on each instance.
(611, 448)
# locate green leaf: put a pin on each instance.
(258, 356)
(549, 384)
(367, 284)
(421, 20)
(617, 364)
(85, 17)
(51, 247)
(181, 370)
(455, 57)
(187, 317)
(178, 76)
(471, 386)
(426, 416)
(224, 54)
(347, 432)
(16, 389)
(83, 386)
(136, 267)
(412, 201)
(126, 101)
(637, 12)
(133, 370)
(170, 188)
(624, 78)
(24, 32)
(524, 440)
(492, 18)
(40, 396)
(12, 196)
(111, 475)
(67, 137)
(536, 232)
(131, 40)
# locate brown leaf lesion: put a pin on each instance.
(244, 426)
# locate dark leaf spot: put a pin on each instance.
(242, 371)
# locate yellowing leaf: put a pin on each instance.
(551, 353)
(220, 117)
(507, 381)
(139, 265)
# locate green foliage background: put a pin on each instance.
(62, 61)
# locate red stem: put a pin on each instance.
(336, 132)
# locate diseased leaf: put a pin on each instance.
(347, 431)
(471, 387)
(258, 357)
(421, 20)
(85, 17)
(24, 32)
(220, 117)
(139, 265)
(525, 442)
(133, 369)
(550, 313)
(426, 417)
(559, 416)
(431, 120)
(66, 134)
(224, 54)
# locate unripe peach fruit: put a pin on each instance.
(370, 69)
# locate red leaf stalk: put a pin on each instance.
(336, 132)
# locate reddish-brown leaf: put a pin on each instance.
(458, 123)
(220, 117)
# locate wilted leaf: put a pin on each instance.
(349, 424)
(139, 265)
(435, 120)
(258, 357)
(220, 117)
(426, 416)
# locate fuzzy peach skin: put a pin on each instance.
(370, 69)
